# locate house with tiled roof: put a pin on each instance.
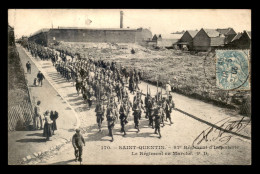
(241, 41)
(236, 37)
(187, 39)
(229, 34)
(206, 39)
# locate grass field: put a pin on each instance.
(191, 75)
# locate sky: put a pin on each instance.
(159, 21)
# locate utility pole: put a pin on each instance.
(121, 19)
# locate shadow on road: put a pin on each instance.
(130, 131)
(72, 95)
(63, 162)
(82, 109)
(96, 136)
(75, 99)
(35, 134)
(35, 140)
(46, 66)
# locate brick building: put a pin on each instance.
(101, 35)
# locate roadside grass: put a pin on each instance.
(17, 86)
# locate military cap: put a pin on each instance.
(77, 130)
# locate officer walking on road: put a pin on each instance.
(77, 142)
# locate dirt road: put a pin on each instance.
(194, 121)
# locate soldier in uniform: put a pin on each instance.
(123, 116)
(100, 114)
(169, 105)
(131, 85)
(151, 109)
(137, 108)
(138, 96)
(78, 85)
(146, 102)
(77, 142)
(163, 105)
(111, 120)
(90, 96)
(158, 114)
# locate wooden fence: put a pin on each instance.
(20, 116)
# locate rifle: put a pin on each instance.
(147, 91)
(157, 91)
(161, 92)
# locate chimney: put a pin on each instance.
(121, 19)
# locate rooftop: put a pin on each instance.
(237, 37)
(249, 34)
(212, 32)
(224, 30)
(40, 31)
(217, 41)
(84, 28)
(192, 32)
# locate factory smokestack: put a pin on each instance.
(121, 19)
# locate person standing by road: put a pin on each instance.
(77, 142)
(47, 131)
(168, 108)
(40, 77)
(28, 67)
(54, 115)
(37, 116)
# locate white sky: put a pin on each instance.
(165, 21)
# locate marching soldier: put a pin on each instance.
(138, 96)
(151, 109)
(163, 105)
(123, 116)
(158, 117)
(100, 114)
(111, 120)
(137, 108)
(146, 102)
(78, 85)
(90, 96)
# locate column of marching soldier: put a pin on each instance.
(105, 82)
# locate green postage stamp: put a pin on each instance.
(233, 69)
